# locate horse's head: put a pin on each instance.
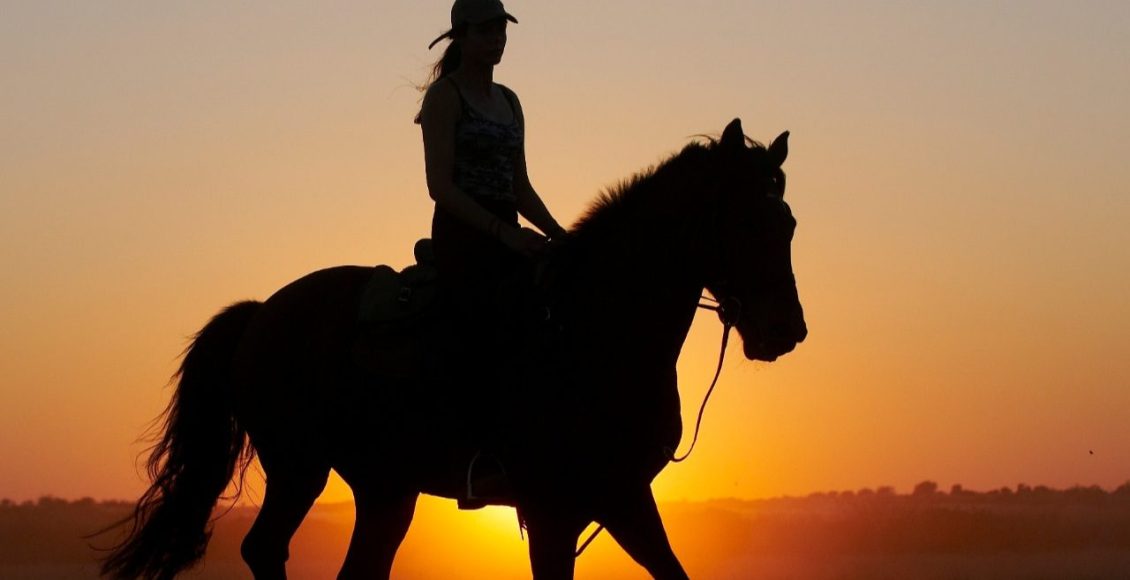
(751, 272)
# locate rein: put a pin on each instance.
(729, 310)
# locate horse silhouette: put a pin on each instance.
(593, 422)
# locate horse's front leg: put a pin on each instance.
(633, 521)
(553, 541)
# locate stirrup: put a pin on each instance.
(471, 501)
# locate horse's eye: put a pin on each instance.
(778, 185)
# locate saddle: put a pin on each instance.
(400, 317)
(396, 318)
(390, 296)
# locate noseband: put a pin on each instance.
(729, 309)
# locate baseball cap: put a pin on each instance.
(474, 12)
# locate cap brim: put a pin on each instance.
(439, 38)
(447, 34)
(489, 17)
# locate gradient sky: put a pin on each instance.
(958, 170)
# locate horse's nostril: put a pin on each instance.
(795, 331)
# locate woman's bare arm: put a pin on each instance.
(530, 204)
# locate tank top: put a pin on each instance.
(485, 151)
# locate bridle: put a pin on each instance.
(729, 310)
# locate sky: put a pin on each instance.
(957, 170)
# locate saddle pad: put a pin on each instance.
(391, 296)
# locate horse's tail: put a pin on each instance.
(200, 448)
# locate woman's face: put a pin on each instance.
(485, 42)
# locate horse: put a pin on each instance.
(589, 429)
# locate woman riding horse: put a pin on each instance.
(276, 379)
(474, 152)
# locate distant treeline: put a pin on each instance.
(1023, 493)
(1031, 531)
(927, 520)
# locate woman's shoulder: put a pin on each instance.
(442, 90)
(512, 98)
(510, 94)
(441, 100)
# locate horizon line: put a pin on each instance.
(880, 491)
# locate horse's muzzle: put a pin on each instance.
(769, 345)
(767, 351)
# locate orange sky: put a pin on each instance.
(957, 170)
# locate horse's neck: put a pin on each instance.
(643, 285)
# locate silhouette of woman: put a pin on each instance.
(474, 153)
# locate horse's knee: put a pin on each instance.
(265, 556)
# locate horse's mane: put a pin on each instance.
(611, 205)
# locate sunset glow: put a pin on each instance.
(957, 170)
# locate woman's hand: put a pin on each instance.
(522, 240)
(556, 233)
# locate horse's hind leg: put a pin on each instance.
(382, 522)
(634, 523)
(290, 494)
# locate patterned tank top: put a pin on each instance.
(485, 151)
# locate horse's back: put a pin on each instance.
(294, 351)
(318, 307)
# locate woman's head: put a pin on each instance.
(478, 30)
(466, 14)
(477, 34)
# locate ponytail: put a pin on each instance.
(451, 59)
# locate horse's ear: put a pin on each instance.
(733, 135)
(779, 150)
